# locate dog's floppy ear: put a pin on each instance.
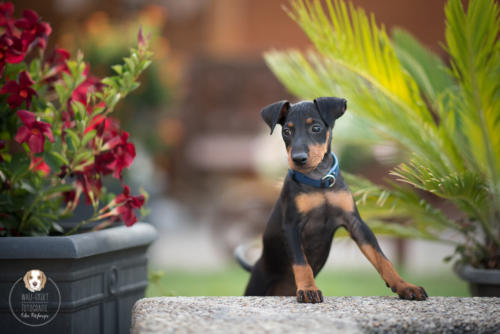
(330, 108)
(26, 279)
(275, 113)
(44, 279)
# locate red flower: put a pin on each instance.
(103, 161)
(57, 65)
(81, 92)
(97, 123)
(11, 51)
(107, 127)
(6, 10)
(141, 41)
(121, 155)
(129, 204)
(37, 164)
(89, 181)
(69, 196)
(33, 29)
(124, 154)
(33, 132)
(68, 121)
(20, 92)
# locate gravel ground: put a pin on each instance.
(335, 315)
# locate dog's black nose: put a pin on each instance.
(299, 158)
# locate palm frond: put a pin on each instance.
(473, 43)
(467, 190)
(353, 41)
(382, 205)
(426, 68)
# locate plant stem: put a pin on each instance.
(74, 229)
(28, 211)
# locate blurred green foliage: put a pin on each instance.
(106, 40)
(232, 282)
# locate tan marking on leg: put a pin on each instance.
(309, 120)
(340, 199)
(307, 202)
(304, 277)
(383, 266)
(290, 124)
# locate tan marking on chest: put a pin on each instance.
(307, 202)
(341, 199)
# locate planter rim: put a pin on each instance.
(78, 245)
(474, 275)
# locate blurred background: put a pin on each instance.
(204, 155)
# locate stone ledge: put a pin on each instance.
(335, 315)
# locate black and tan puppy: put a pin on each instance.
(314, 203)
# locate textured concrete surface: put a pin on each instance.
(335, 315)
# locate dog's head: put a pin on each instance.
(306, 128)
(34, 280)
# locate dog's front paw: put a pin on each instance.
(309, 296)
(409, 291)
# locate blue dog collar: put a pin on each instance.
(326, 181)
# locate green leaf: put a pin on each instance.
(54, 159)
(35, 69)
(379, 203)
(83, 156)
(59, 189)
(117, 68)
(80, 110)
(88, 137)
(73, 138)
(18, 166)
(68, 80)
(474, 47)
(62, 93)
(130, 64)
(428, 70)
(58, 228)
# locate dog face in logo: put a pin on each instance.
(34, 280)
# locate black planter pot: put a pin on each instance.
(92, 281)
(482, 282)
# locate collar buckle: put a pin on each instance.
(329, 180)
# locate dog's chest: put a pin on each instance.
(322, 201)
(322, 211)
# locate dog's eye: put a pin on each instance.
(316, 128)
(287, 132)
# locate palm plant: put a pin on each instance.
(448, 117)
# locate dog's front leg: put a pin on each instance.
(307, 291)
(369, 246)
